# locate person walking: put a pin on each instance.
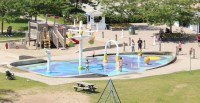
(133, 46)
(139, 44)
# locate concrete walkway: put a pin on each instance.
(181, 64)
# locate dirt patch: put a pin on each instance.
(51, 97)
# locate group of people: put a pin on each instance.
(139, 45)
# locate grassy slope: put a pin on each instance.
(181, 87)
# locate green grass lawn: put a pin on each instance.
(11, 86)
(182, 87)
(17, 24)
(60, 20)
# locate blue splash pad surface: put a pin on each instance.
(131, 63)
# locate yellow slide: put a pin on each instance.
(46, 38)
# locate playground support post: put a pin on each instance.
(46, 18)
(54, 21)
(29, 33)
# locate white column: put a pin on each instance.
(74, 22)
(48, 60)
(97, 26)
(80, 53)
(122, 35)
(154, 39)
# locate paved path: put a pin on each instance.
(181, 64)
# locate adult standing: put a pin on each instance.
(133, 46)
(139, 44)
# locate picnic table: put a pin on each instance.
(89, 87)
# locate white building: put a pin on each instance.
(95, 20)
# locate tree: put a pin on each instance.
(33, 7)
(122, 8)
(167, 11)
(8, 10)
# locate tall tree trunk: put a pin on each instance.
(35, 18)
(2, 25)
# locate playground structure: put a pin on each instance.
(48, 35)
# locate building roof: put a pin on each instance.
(94, 13)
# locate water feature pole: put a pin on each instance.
(48, 60)
(115, 37)
(80, 46)
(129, 41)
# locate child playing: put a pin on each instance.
(120, 64)
(180, 46)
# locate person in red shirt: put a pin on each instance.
(198, 39)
